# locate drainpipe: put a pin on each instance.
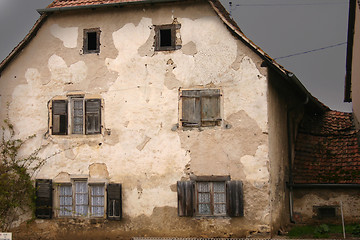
(290, 157)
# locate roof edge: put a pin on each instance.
(32, 33)
(107, 5)
(289, 76)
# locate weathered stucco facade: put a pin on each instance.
(142, 143)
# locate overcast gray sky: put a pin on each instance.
(279, 27)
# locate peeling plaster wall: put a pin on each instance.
(306, 199)
(139, 87)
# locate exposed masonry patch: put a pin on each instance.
(68, 35)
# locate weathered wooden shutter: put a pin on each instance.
(235, 198)
(93, 116)
(185, 191)
(114, 202)
(191, 108)
(59, 117)
(210, 105)
(43, 198)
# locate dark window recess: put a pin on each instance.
(43, 198)
(91, 40)
(210, 198)
(59, 117)
(165, 37)
(114, 202)
(200, 108)
(93, 112)
(326, 212)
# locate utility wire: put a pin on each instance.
(310, 51)
(285, 4)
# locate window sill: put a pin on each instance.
(211, 217)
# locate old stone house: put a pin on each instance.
(168, 121)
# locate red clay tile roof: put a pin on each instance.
(73, 3)
(327, 150)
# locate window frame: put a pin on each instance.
(173, 30)
(212, 202)
(194, 107)
(88, 113)
(87, 195)
(188, 203)
(86, 32)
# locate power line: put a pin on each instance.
(285, 4)
(310, 51)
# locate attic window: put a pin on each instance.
(91, 40)
(165, 37)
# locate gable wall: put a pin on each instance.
(145, 150)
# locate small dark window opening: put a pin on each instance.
(165, 38)
(326, 212)
(91, 36)
(91, 40)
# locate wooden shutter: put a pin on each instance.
(114, 202)
(185, 190)
(59, 117)
(93, 116)
(210, 107)
(191, 108)
(43, 198)
(235, 199)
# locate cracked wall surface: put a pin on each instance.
(144, 148)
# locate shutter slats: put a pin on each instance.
(235, 200)
(114, 201)
(43, 198)
(185, 191)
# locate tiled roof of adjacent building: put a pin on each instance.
(327, 150)
(73, 3)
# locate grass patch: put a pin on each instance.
(323, 231)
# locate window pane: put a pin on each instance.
(204, 187)
(81, 187)
(220, 209)
(81, 210)
(219, 187)
(204, 209)
(219, 197)
(97, 211)
(204, 197)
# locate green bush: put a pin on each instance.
(322, 231)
